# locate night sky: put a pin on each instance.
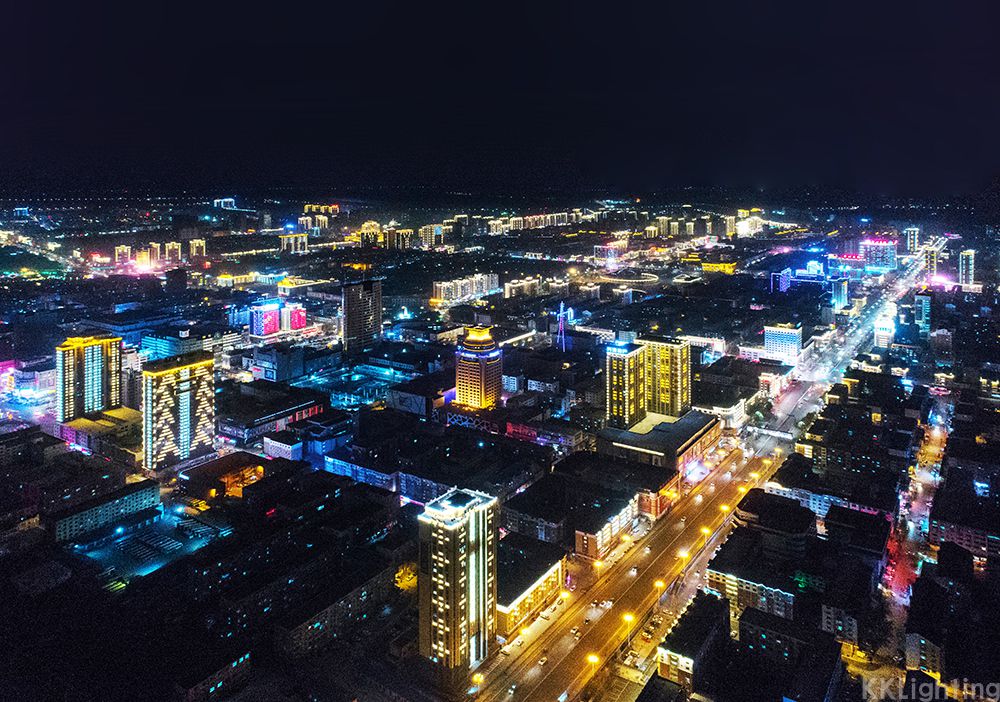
(504, 97)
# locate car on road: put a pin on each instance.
(649, 549)
(512, 689)
(575, 630)
(634, 570)
(594, 604)
(543, 660)
(684, 519)
(520, 642)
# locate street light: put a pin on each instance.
(478, 678)
(682, 553)
(628, 617)
(659, 584)
(705, 531)
(564, 594)
(598, 564)
(723, 508)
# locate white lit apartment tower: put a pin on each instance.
(967, 267)
(362, 309)
(178, 409)
(625, 385)
(123, 253)
(668, 374)
(457, 582)
(173, 251)
(912, 235)
(783, 342)
(196, 248)
(478, 370)
(930, 262)
(88, 376)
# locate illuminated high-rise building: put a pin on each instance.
(783, 342)
(155, 250)
(196, 248)
(88, 376)
(173, 251)
(265, 318)
(142, 258)
(399, 238)
(123, 253)
(478, 370)
(967, 267)
(362, 308)
(912, 235)
(879, 255)
(922, 301)
(930, 262)
(885, 330)
(668, 374)
(838, 290)
(371, 234)
(625, 384)
(178, 409)
(457, 583)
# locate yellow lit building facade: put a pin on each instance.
(478, 370)
(668, 374)
(88, 376)
(178, 409)
(457, 583)
(625, 385)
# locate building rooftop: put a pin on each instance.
(663, 437)
(521, 562)
(697, 623)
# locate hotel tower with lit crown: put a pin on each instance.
(178, 409)
(457, 583)
(88, 376)
(478, 370)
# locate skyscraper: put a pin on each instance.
(478, 370)
(879, 255)
(88, 376)
(173, 251)
(196, 248)
(123, 253)
(912, 235)
(457, 582)
(781, 281)
(362, 314)
(668, 374)
(154, 252)
(838, 291)
(178, 409)
(625, 384)
(922, 310)
(930, 262)
(967, 267)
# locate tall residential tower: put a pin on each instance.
(88, 376)
(362, 314)
(668, 374)
(625, 385)
(178, 409)
(457, 582)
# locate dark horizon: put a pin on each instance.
(759, 99)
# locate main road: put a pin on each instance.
(659, 559)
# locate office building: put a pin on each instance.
(478, 370)
(967, 267)
(362, 309)
(196, 248)
(625, 385)
(783, 342)
(839, 293)
(930, 262)
(879, 255)
(123, 253)
(178, 409)
(265, 318)
(668, 374)
(155, 252)
(88, 376)
(457, 582)
(912, 235)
